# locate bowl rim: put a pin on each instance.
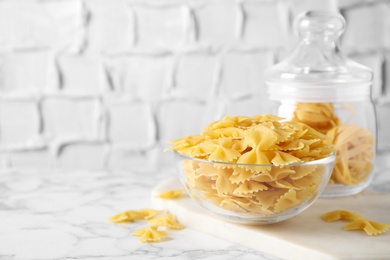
(324, 160)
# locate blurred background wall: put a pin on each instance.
(104, 84)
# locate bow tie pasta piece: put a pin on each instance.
(127, 216)
(302, 171)
(181, 144)
(298, 144)
(303, 183)
(222, 150)
(171, 194)
(341, 215)
(372, 228)
(247, 205)
(222, 184)
(149, 213)
(249, 187)
(274, 174)
(303, 131)
(225, 122)
(255, 156)
(283, 184)
(268, 198)
(293, 197)
(240, 175)
(282, 158)
(261, 136)
(134, 215)
(166, 221)
(149, 234)
(233, 132)
(229, 204)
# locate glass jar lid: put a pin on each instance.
(316, 70)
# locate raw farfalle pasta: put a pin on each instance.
(372, 228)
(356, 222)
(166, 220)
(134, 215)
(171, 194)
(247, 163)
(260, 139)
(150, 233)
(341, 215)
(354, 144)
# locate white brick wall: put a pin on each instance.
(27, 71)
(19, 124)
(105, 84)
(110, 26)
(161, 27)
(368, 26)
(141, 76)
(259, 17)
(196, 76)
(36, 24)
(218, 22)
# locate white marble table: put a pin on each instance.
(62, 215)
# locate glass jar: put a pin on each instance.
(318, 85)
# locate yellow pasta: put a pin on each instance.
(292, 198)
(240, 175)
(171, 194)
(249, 187)
(354, 155)
(341, 215)
(372, 228)
(166, 221)
(149, 234)
(320, 116)
(356, 222)
(354, 144)
(259, 150)
(134, 215)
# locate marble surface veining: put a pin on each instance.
(62, 215)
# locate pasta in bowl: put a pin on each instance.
(254, 193)
(255, 170)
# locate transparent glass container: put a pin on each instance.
(199, 177)
(318, 85)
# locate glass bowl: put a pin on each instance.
(253, 193)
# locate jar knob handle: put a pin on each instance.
(320, 22)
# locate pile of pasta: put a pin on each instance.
(247, 162)
(354, 144)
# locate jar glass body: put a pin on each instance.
(318, 85)
(351, 127)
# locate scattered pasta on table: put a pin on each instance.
(356, 222)
(171, 194)
(157, 223)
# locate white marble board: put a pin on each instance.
(305, 236)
